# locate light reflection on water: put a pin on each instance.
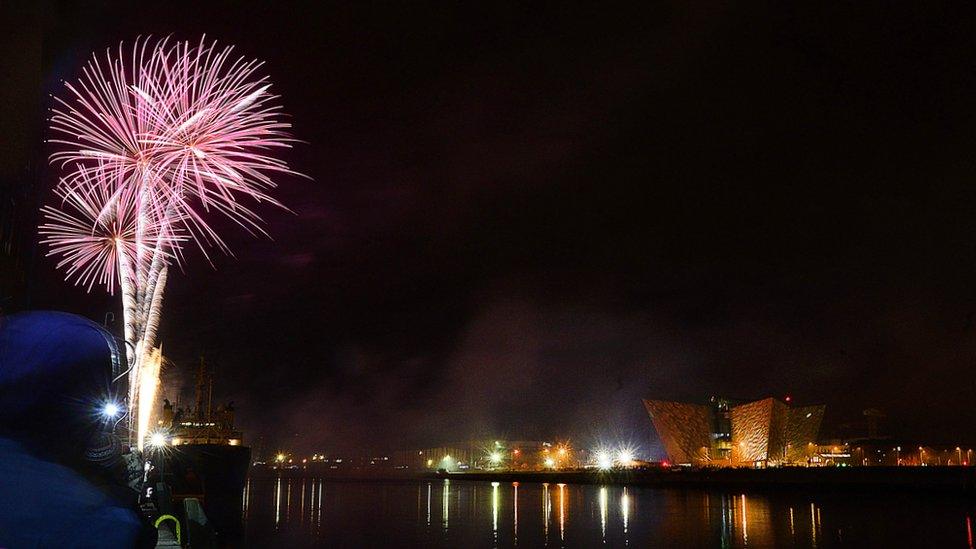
(546, 508)
(562, 512)
(476, 514)
(515, 487)
(625, 513)
(603, 512)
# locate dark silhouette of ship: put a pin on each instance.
(207, 458)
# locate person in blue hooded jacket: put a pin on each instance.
(62, 480)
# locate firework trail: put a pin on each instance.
(153, 142)
(148, 383)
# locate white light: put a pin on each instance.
(625, 457)
(111, 410)
(604, 460)
(157, 440)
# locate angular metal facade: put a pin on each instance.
(758, 430)
(802, 428)
(765, 431)
(685, 429)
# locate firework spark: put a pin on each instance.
(151, 142)
(148, 384)
(94, 226)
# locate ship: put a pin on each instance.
(207, 457)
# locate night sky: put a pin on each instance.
(522, 220)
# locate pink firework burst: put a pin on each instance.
(151, 143)
(94, 224)
(190, 123)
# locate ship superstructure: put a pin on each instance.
(201, 424)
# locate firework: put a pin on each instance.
(151, 143)
(148, 383)
(93, 228)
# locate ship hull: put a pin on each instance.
(215, 474)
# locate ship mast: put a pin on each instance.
(210, 399)
(201, 383)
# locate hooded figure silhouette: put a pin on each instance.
(60, 463)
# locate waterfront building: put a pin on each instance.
(489, 455)
(727, 432)
(450, 457)
(867, 452)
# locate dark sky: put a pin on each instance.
(525, 219)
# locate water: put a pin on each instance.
(314, 513)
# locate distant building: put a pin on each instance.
(487, 455)
(452, 457)
(866, 452)
(734, 433)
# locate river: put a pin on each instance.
(313, 512)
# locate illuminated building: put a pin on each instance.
(725, 432)
(890, 452)
(488, 455)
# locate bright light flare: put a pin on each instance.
(604, 460)
(111, 410)
(625, 457)
(157, 440)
